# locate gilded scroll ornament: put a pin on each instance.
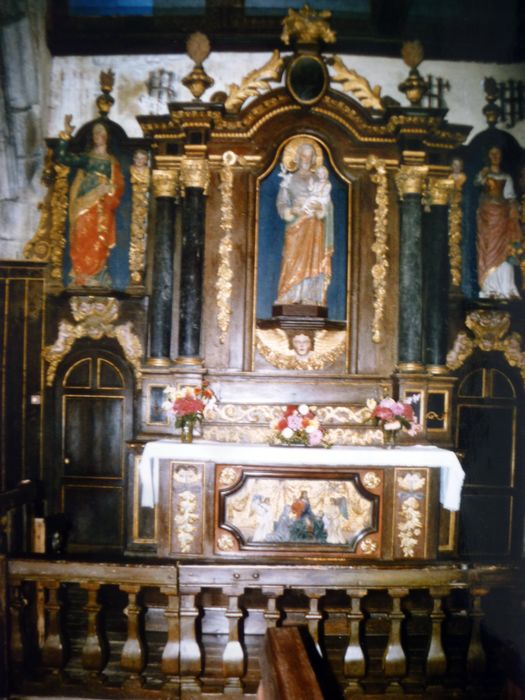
(410, 179)
(249, 423)
(195, 172)
(186, 474)
(371, 480)
(410, 526)
(229, 476)
(254, 434)
(255, 83)
(490, 329)
(140, 181)
(354, 84)
(307, 26)
(59, 206)
(225, 272)
(455, 217)
(94, 318)
(266, 413)
(412, 481)
(186, 520)
(278, 348)
(380, 244)
(225, 543)
(368, 546)
(165, 183)
(39, 247)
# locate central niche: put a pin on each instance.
(302, 258)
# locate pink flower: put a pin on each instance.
(295, 422)
(383, 413)
(186, 406)
(315, 438)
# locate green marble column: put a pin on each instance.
(436, 276)
(164, 188)
(410, 348)
(194, 175)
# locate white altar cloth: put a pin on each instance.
(451, 482)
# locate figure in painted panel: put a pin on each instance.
(335, 520)
(304, 202)
(498, 230)
(94, 196)
(262, 508)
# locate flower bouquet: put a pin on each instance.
(393, 416)
(298, 426)
(187, 404)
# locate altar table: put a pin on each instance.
(283, 503)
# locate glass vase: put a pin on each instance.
(390, 438)
(186, 432)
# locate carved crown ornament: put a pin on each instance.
(94, 318)
(306, 28)
(491, 333)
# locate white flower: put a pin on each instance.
(392, 425)
(303, 409)
(287, 433)
(371, 404)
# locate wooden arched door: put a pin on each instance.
(95, 418)
(489, 436)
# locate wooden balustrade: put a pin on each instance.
(194, 630)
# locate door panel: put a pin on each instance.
(487, 435)
(95, 416)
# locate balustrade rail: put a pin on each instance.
(196, 630)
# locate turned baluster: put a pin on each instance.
(95, 649)
(54, 648)
(436, 665)
(394, 659)
(354, 659)
(314, 616)
(17, 606)
(169, 663)
(233, 659)
(272, 614)
(476, 658)
(190, 652)
(132, 659)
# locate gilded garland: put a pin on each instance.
(225, 272)
(380, 245)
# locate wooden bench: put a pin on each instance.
(286, 670)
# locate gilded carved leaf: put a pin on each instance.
(255, 83)
(355, 84)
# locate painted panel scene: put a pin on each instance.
(312, 511)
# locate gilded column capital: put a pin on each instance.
(165, 183)
(440, 190)
(195, 172)
(410, 179)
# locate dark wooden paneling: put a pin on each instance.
(21, 339)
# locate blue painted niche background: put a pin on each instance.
(118, 259)
(271, 240)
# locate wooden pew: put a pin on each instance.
(286, 671)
